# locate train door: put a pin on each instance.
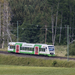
(36, 50)
(17, 48)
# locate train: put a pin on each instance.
(31, 48)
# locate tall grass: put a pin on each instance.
(4, 49)
(60, 50)
(27, 61)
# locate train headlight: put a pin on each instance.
(51, 53)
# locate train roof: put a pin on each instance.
(16, 42)
(13, 43)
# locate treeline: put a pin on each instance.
(43, 21)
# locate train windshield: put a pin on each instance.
(51, 48)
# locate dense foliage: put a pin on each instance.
(43, 20)
(72, 49)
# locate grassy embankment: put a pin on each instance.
(25, 70)
(25, 61)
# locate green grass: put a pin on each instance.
(25, 70)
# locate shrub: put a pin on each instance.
(54, 63)
(72, 49)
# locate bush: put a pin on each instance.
(54, 63)
(72, 49)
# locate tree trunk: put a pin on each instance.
(70, 21)
(56, 22)
(3, 38)
(45, 33)
(8, 33)
(52, 21)
(60, 29)
(3, 27)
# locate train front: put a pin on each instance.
(51, 50)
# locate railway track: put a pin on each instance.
(35, 56)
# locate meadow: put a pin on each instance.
(26, 70)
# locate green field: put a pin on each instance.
(25, 70)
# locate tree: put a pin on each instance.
(4, 22)
(54, 17)
(56, 14)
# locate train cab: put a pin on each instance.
(51, 49)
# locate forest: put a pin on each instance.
(40, 21)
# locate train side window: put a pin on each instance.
(32, 49)
(42, 49)
(20, 48)
(27, 48)
(12, 47)
(46, 48)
